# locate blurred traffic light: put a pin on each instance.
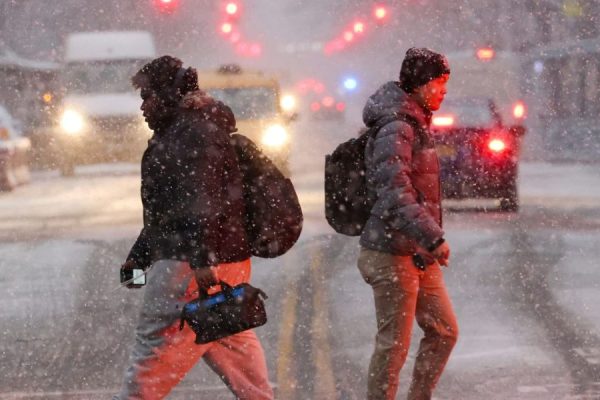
(359, 27)
(166, 6)
(356, 30)
(226, 28)
(231, 8)
(380, 12)
(231, 11)
(350, 83)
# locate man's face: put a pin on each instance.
(152, 107)
(431, 95)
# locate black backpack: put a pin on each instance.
(347, 201)
(273, 217)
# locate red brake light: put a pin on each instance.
(315, 106)
(519, 110)
(166, 6)
(485, 54)
(442, 121)
(328, 101)
(348, 36)
(341, 106)
(497, 145)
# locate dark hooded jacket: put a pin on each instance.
(403, 175)
(192, 189)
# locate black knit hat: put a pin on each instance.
(166, 76)
(421, 66)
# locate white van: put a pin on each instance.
(100, 118)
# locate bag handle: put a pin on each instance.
(225, 289)
(202, 295)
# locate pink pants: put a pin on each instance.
(163, 355)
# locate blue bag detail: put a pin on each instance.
(233, 310)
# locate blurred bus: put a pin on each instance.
(564, 83)
(255, 98)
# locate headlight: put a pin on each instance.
(288, 103)
(275, 136)
(72, 122)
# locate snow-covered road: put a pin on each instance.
(525, 288)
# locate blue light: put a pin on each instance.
(350, 83)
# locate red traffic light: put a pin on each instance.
(358, 27)
(226, 28)
(231, 8)
(380, 12)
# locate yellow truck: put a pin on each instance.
(256, 101)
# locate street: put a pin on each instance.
(525, 288)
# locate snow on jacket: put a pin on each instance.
(192, 189)
(403, 174)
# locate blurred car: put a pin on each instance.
(261, 113)
(327, 107)
(478, 154)
(14, 153)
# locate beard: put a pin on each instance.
(157, 118)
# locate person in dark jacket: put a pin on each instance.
(193, 236)
(402, 244)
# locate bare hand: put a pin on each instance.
(442, 254)
(206, 277)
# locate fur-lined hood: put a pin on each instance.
(209, 109)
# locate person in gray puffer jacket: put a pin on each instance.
(402, 244)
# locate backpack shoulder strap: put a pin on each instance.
(391, 118)
(373, 130)
(421, 138)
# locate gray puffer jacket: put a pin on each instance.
(403, 175)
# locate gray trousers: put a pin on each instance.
(162, 354)
(402, 293)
